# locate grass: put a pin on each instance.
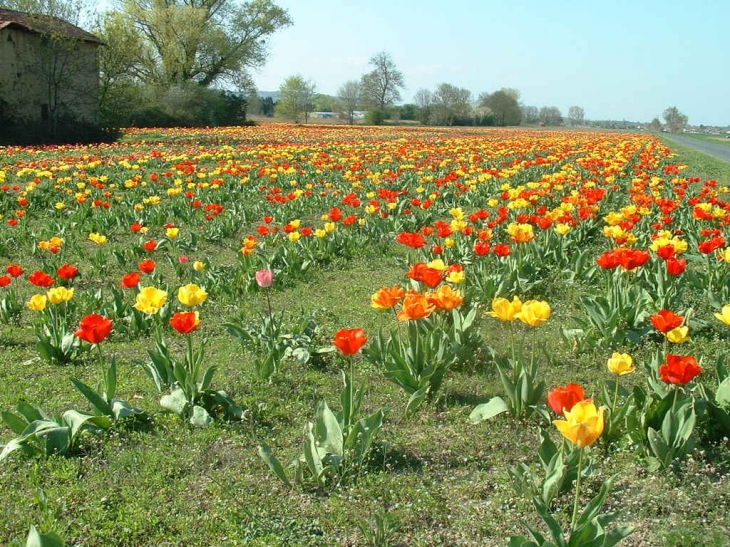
(443, 481)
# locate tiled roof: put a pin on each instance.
(44, 24)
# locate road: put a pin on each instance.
(719, 151)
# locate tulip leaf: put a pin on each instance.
(723, 393)
(15, 423)
(489, 410)
(274, 464)
(93, 397)
(36, 539)
(200, 417)
(175, 401)
(416, 400)
(328, 429)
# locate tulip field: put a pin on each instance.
(299, 335)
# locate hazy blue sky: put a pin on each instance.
(618, 59)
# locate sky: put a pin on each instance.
(618, 59)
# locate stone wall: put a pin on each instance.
(41, 78)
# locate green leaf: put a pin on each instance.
(14, 422)
(30, 413)
(36, 539)
(175, 401)
(489, 410)
(200, 417)
(722, 396)
(93, 397)
(268, 456)
(328, 430)
(78, 420)
(416, 400)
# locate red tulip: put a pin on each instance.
(5, 280)
(41, 279)
(94, 328)
(679, 369)
(67, 271)
(147, 266)
(15, 270)
(131, 280)
(350, 341)
(185, 322)
(561, 398)
(676, 266)
(666, 320)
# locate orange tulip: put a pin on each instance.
(445, 298)
(387, 297)
(415, 306)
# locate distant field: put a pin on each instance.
(411, 234)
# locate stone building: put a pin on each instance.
(49, 71)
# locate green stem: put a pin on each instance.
(577, 492)
(674, 402)
(512, 341)
(615, 397)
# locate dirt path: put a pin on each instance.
(719, 151)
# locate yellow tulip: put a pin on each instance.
(172, 233)
(438, 264)
(725, 315)
(59, 295)
(504, 309)
(99, 239)
(678, 335)
(37, 302)
(150, 300)
(191, 295)
(620, 364)
(534, 313)
(456, 277)
(583, 424)
(199, 266)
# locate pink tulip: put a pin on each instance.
(264, 278)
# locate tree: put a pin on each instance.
(76, 12)
(424, 99)
(350, 99)
(655, 125)
(675, 120)
(504, 106)
(450, 104)
(381, 87)
(530, 114)
(296, 97)
(576, 115)
(550, 115)
(203, 41)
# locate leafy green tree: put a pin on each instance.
(450, 104)
(675, 120)
(296, 97)
(350, 99)
(655, 125)
(550, 115)
(503, 105)
(203, 41)
(381, 87)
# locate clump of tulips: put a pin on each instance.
(439, 331)
(337, 444)
(518, 373)
(582, 425)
